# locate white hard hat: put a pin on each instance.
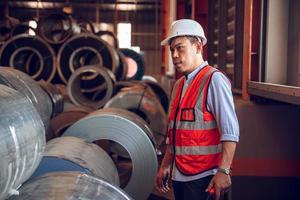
(185, 27)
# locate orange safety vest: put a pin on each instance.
(193, 133)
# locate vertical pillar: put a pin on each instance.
(168, 16)
(247, 46)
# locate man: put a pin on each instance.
(203, 129)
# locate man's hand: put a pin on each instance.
(220, 184)
(162, 180)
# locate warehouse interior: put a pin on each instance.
(85, 88)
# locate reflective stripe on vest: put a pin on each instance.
(198, 150)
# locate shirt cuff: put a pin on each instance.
(229, 137)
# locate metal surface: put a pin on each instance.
(22, 139)
(102, 93)
(65, 119)
(284, 93)
(85, 49)
(85, 154)
(71, 186)
(30, 89)
(142, 102)
(29, 54)
(55, 96)
(130, 131)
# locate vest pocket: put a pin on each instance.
(187, 114)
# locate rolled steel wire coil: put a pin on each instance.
(131, 132)
(31, 55)
(67, 118)
(101, 92)
(75, 154)
(141, 100)
(22, 140)
(85, 49)
(70, 185)
(57, 28)
(55, 96)
(30, 89)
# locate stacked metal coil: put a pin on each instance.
(141, 100)
(30, 89)
(67, 118)
(97, 93)
(55, 96)
(30, 54)
(75, 154)
(56, 28)
(132, 133)
(70, 185)
(85, 49)
(22, 141)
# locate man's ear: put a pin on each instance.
(199, 47)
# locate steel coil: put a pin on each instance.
(85, 49)
(100, 94)
(55, 96)
(67, 118)
(89, 157)
(130, 131)
(31, 55)
(22, 140)
(30, 89)
(160, 94)
(70, 185)
(135, 64)
(56, 28)
(140, 100)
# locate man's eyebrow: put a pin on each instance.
(178, 44)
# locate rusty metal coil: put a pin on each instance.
(70, 185)
(131, 132)
(31, 55)
(75, 154)
(30, 89)
(101, 92)
(141, 100)
(22, 139)
(57, 28)
(85, 49)
(55, 96)
(67, 118)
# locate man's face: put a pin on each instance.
(184, 55)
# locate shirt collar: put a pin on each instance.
(191, 75)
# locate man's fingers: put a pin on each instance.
(217, 194)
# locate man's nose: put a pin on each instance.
(175, 54)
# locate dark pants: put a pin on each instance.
(191, 190)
